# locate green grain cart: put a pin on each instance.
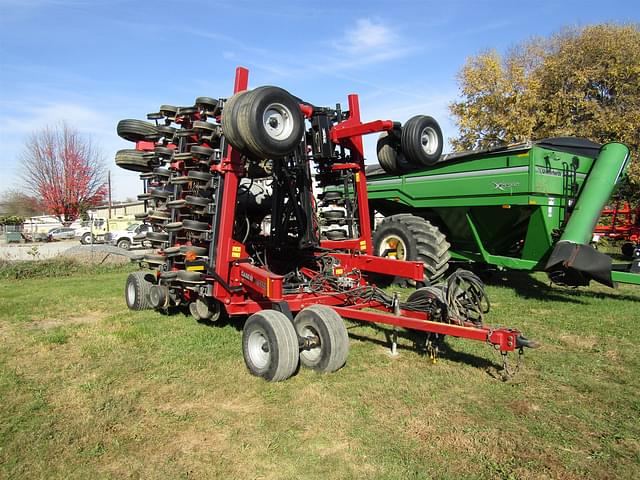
(531, 206)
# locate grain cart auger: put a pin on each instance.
(239, 232)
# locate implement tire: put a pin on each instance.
(136, 291)
(407, 237)
(270, 346)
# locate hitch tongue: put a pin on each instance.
(522, 341)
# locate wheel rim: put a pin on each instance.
(278, 121)
(395, 246)
(258, 349)
(313, 354)
(429, 140)
(131, 293)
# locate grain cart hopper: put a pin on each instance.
(229, 184)
(531, 206)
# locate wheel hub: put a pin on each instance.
(394, 248)
(278, 121)
(258, 349)
(429, 140)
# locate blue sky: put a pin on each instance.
(93, 62)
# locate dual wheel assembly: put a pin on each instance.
(417, 144)
(273, 346)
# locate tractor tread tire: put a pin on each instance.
(425, 242)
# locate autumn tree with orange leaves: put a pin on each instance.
(64, 171)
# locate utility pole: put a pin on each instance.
(109, 183)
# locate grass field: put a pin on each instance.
(89, 389)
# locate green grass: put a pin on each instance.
(89, 389)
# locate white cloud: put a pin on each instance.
(368, 36)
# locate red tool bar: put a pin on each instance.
(346, 131)
(261, 281)
(369, 263)
(504, 338)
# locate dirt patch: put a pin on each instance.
(523, 408)
(579, 341)
(87, 318)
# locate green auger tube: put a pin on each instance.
(573, 261)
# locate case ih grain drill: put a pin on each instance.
(229, 181)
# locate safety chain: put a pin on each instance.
(506, 372)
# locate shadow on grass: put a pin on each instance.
(419, 345)
(527, 286)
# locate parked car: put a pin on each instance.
(61, 233)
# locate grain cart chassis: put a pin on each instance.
(297, 280)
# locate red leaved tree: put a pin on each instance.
(64, 171)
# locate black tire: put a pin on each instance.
(157, 237)
(333, 214)
(158, 296)
(422, 140)
(627, 249)
(137, 130)
(419, 241)
(208, 309)
(229, 122)
(336, 234)
(390, 157)
(136, 291)
(281, 133)
(133, 160)
(86, 238)
(197, 201)
(195, 226)
(323, 322)
(200, 176)
(201, 152)
(124, 243)
(168, 111)
(210, 103)
(270, 346)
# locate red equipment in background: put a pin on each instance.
(621, 222)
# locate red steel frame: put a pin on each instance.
(248, 289)
(625, 223)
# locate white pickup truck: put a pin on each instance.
(131, 237)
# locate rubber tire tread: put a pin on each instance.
(142, 288)
(333, 336)
(424, 241)
(250, 127)
(390, 159)
(230, 121)
(410, 141)
(283, 345)
(137, 130)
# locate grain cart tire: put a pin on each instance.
(627, 249)
(270, 122)
(136, 291)
(230, 121)
(270, 345)
(422, 140)
(324, 323)
(413, 238)
(137, 130)
(390, 158)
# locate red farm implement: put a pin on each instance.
(231, 185)
(621, 222)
